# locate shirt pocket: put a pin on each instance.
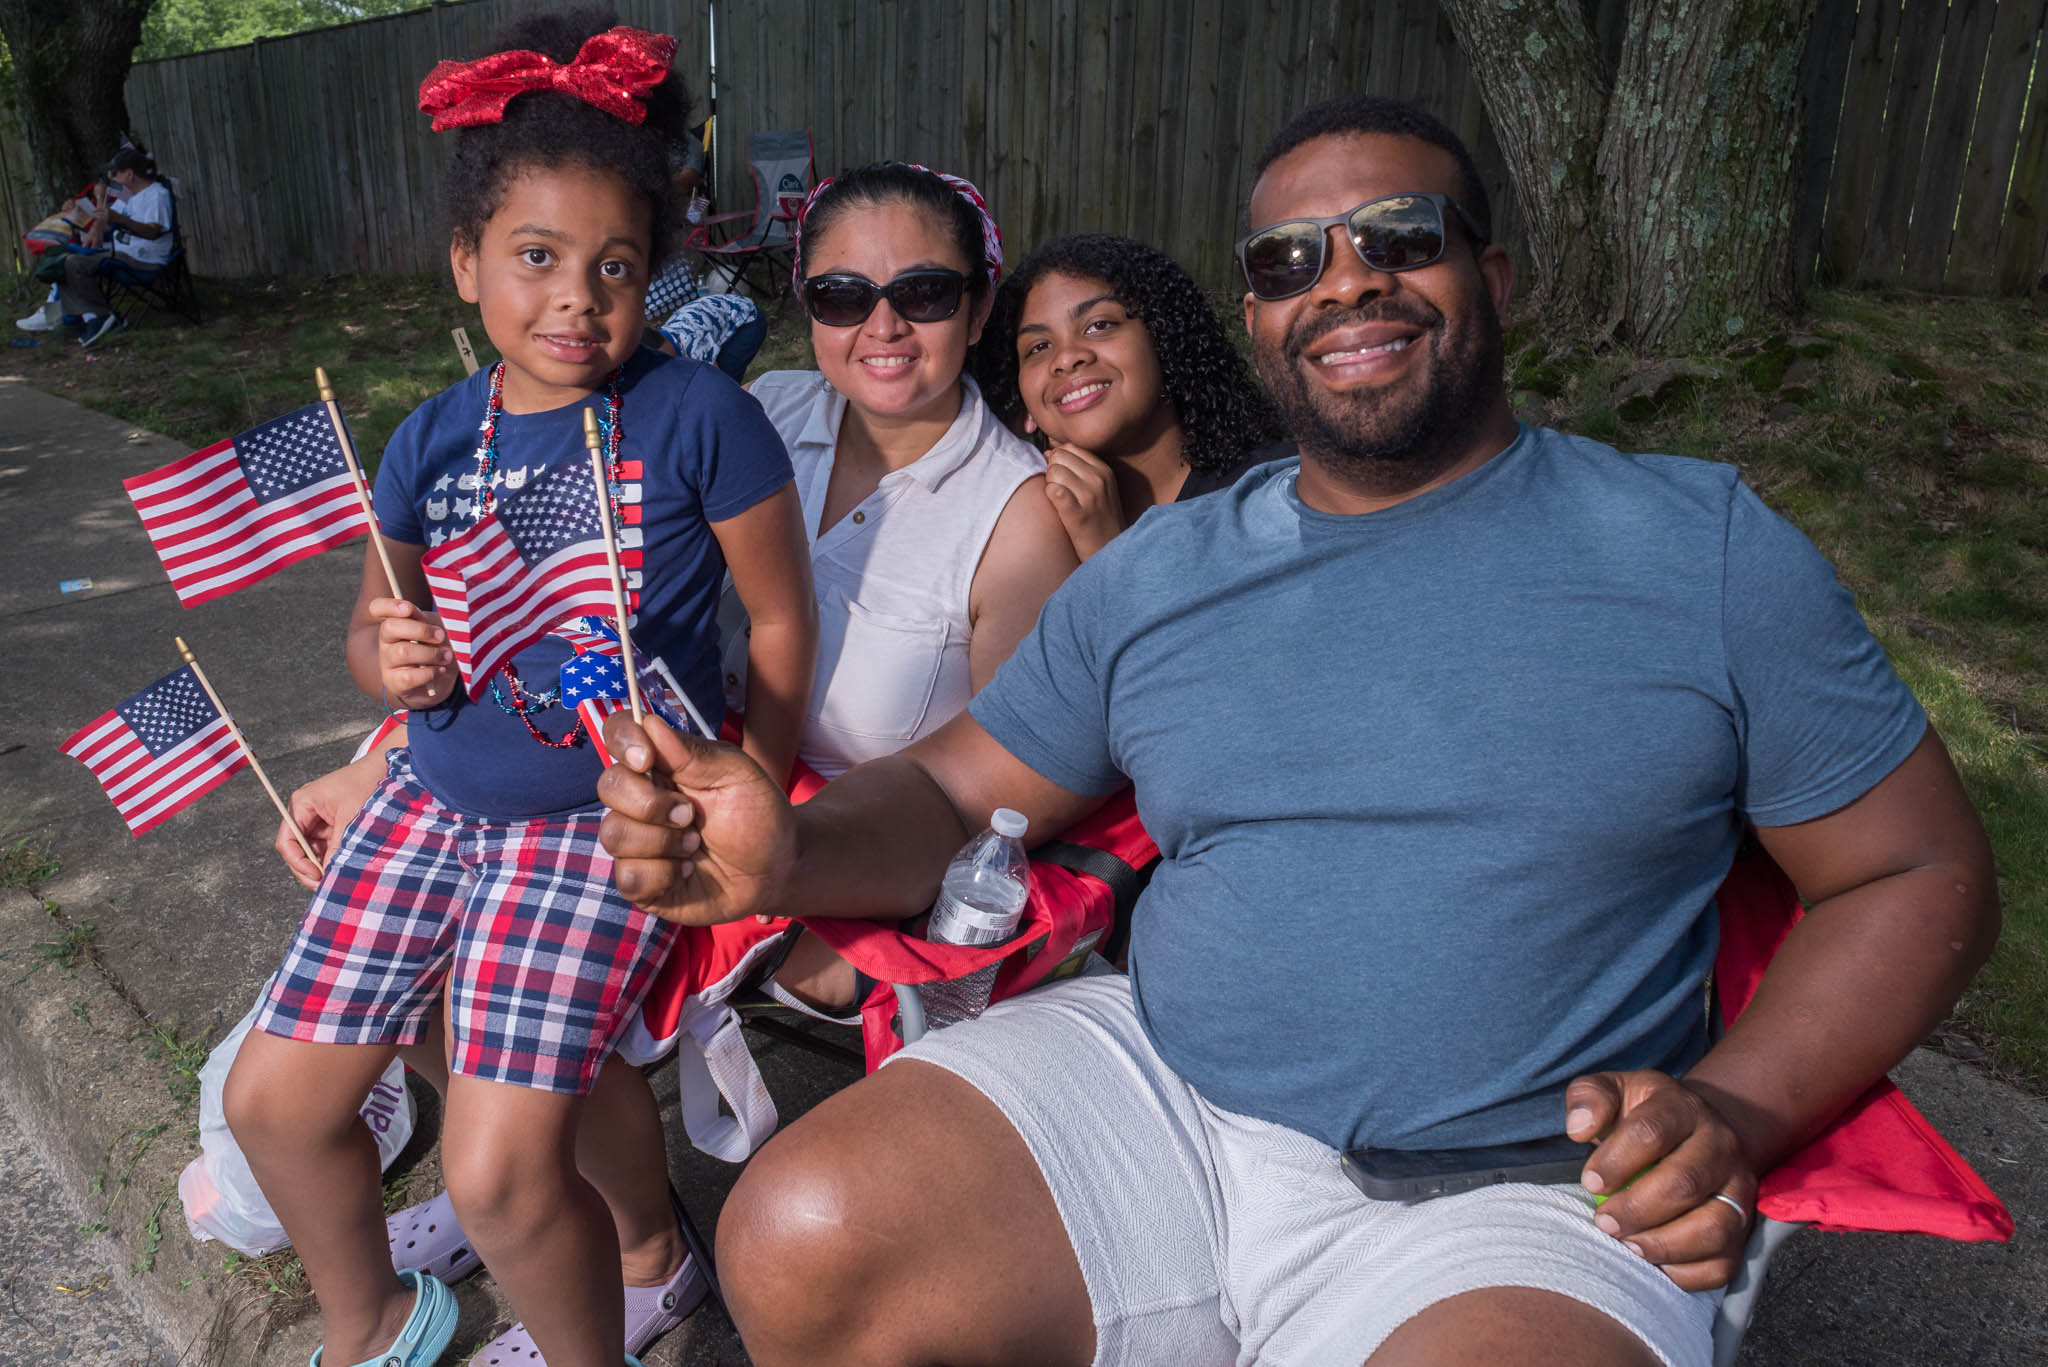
(876, 671)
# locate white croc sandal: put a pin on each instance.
(651, 1311)
(429, 1238)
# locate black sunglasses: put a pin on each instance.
(844, 301)
(1391, 234)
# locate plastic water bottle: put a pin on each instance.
(980, 902)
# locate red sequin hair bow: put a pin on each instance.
(613, 71)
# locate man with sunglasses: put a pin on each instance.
(1447, 734)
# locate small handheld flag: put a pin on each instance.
(247, 753)
(539, 557)
(594, 683)
(611, 560)
(160, 751)
(240, 510)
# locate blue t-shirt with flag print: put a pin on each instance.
(694, 449)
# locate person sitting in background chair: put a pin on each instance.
(142, 244)
(724, 330)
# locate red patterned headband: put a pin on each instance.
(991, 235)
(613, 71)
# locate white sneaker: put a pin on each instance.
(42, 320)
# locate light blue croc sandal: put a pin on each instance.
(427, 1330)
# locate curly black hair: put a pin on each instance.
(1223, 411)
(550, 128)
(883, 182)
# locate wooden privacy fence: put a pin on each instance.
(1927, 144)
(1926, 162)
(308, 155)
(1140, 117)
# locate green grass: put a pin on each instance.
(385, 343)
(28, 862)
(1904, 433)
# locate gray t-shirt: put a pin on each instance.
(1444, 791)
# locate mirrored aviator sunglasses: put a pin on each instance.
(1391, 234)
(844, 301)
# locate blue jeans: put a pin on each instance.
(741, 346)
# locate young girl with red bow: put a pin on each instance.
(473, 881)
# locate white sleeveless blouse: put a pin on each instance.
(892, 576)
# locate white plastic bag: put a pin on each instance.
(219, 1193)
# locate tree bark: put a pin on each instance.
(1544, 80)
(71, 60)
(1679, 184)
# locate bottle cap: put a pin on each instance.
(1009, 823)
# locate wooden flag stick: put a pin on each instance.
(611, 555)
(355, 473)
(247, 753)
(465, 351)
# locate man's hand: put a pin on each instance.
(414, 662)
(1671, 1213)
(322, 808)
(1082, 490)
(699, 833)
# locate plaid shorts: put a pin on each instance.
(548, 962)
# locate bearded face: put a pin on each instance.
(1416, 421)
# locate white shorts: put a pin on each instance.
(1207, 1237)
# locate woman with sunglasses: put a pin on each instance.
(1111, 351)
(932, 544)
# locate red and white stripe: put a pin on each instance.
(493, 605)
(214, 537)
(148, 790)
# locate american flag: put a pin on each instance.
(594, 682)
(161, 750)
(538, 558)
(241, 509)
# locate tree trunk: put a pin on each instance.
(1687, 159)
(71, 60)
(1544, 80)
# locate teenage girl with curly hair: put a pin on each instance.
(1111, 352)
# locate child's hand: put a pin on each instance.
(414, 662)
(324, 807)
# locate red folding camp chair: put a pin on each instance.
(1879, 1168)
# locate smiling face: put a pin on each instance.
(884, 366)
(1391, 380)
(559, 273)
(1086, 368)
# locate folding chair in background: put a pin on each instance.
(133, 293)
(758, 245)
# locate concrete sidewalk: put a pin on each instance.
(188, 921)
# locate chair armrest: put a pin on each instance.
(700, 236)
(910, 1007)
(1738, 1303)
